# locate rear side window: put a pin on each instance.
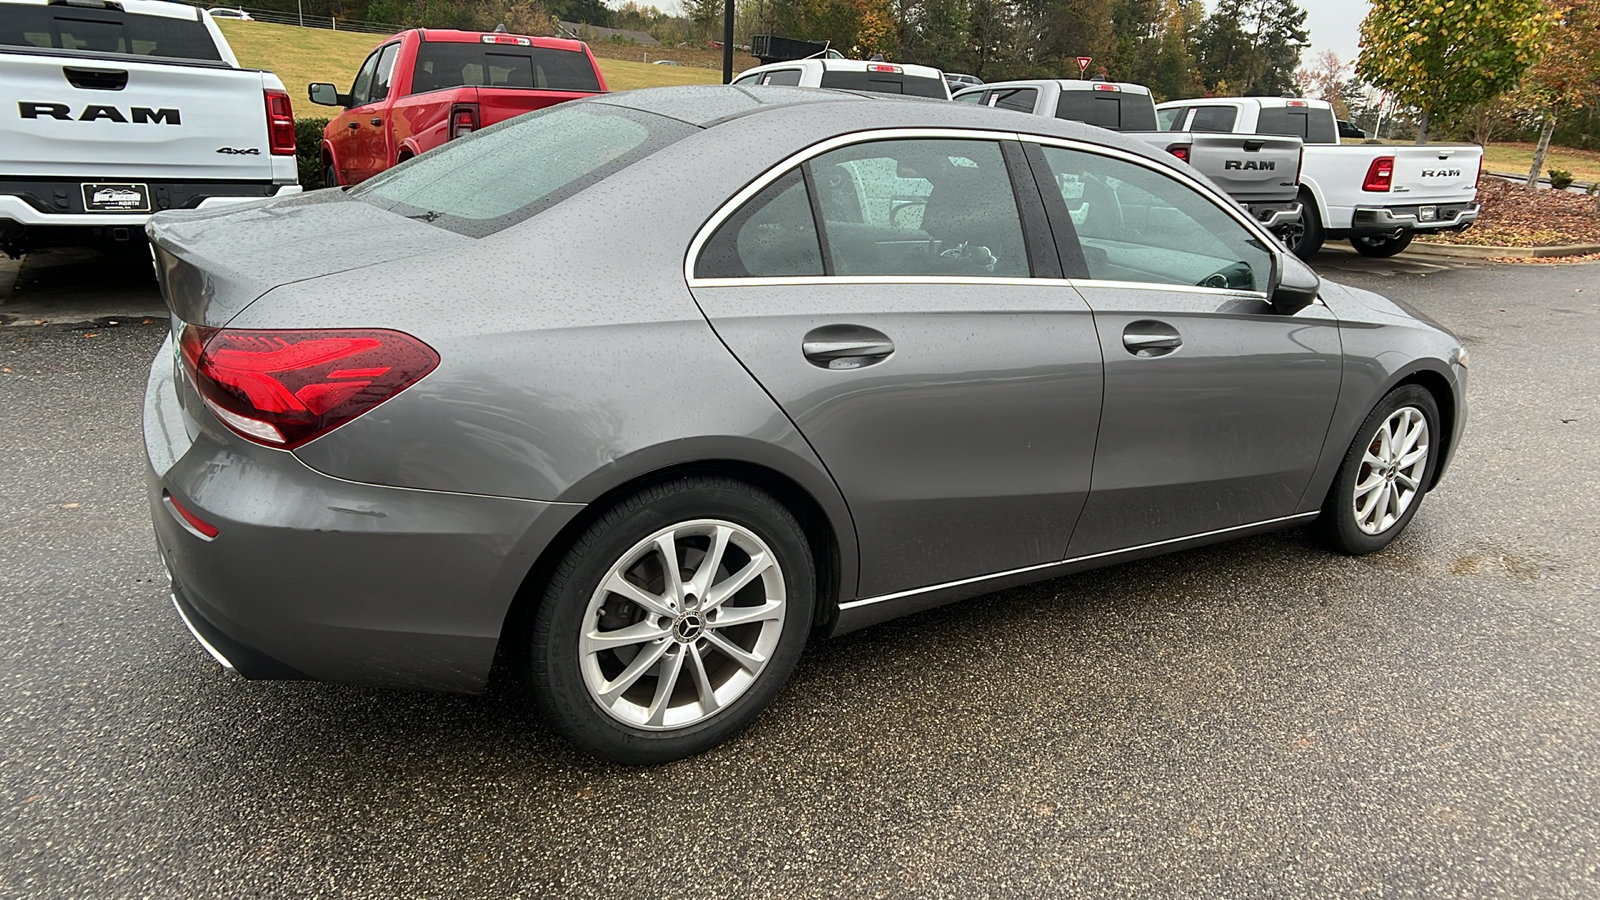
(1112, 110)
(1214, 118)
(448, 65)
(773, 235)
(782, 77)
(1021, 99)
(79, 30)
(1171, 119)
(974, 97)
(494, 178)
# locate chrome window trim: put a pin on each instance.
(794, 161)
(1040, 567)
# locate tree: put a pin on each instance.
(1252, 46)
(1326, 80)
(1446, 56)
(1566, 76)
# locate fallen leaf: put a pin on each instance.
(92, 334)
(71, 505)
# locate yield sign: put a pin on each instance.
(1083, 63)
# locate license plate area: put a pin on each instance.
(1428, 213)
(116, 197)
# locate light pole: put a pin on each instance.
(727, 42)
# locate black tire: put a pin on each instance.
(1338, 525)
(556, 662)
(330, 176)
(1380, 246)
(1304, 239)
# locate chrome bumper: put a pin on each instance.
(1372, 220)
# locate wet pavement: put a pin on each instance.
(1256, 719)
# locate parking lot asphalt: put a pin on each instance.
(1256, 719)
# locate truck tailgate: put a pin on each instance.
(1252, 168)
(499, 104)
(67, 117)
(1435, 174)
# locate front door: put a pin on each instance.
(1216, 405)
(368, 119)
(952, 395)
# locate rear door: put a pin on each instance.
(1216, 406)
(100, 93)
(951, 392)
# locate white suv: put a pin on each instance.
(851, 75)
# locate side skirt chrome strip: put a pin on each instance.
(1040, 567)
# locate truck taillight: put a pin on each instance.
(463, 119)
(285, 388)
(880, 67)
(1380, 175)
(1181, 151)
(1300, 164)
(1103, 86)
(280, 123)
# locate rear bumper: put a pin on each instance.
(1380, 220)
(36, 203)
(319, 578)
(1276, 215)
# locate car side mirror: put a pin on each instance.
(324, 94)
(1298, 285)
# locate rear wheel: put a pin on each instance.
(1381, 245)
(673, 620)
(330, 176)
(1384, 475)
(1304, 238)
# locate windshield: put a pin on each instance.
(494, 178)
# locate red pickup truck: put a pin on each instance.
(424, 86)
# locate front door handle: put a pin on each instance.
(846, 346)
(377, 121)
(1149, 339)
(354, 125)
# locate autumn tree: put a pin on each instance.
(1325, 79)
(1567, 75)
(1446, 56)
(1252, 46)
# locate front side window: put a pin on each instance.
(973, 97)
(384, 73)
(920, 207)
(494, 178)
(1142, 225)
(1171, 119)
(361, 89)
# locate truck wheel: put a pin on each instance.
(1304, 238)
(1381, 246)
(330, 177)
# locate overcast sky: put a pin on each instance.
(1334, 25)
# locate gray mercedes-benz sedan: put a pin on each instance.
(640, 393)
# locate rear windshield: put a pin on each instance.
(1111, 110)
(886, 83)
(449, 65)
(1314, 126)
(95, 31)
(491, 179)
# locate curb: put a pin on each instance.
(1474, 251)
(10, 271)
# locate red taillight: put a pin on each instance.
(1297, 103)
(1380, 175)
(205, 528)
(284, 388)
(1181, 151)
(1102, 86)
(1300, 164)
(463, 119)
(280, 123)
(878, 67)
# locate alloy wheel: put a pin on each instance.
(1392, 468)
(682, 624)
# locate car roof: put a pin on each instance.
(1265, 102)
(452, 36)
(1066, 84)
(824, 112)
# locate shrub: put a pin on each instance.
(308, 151)
(1560, 179)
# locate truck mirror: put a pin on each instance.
(324, 94)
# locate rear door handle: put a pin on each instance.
(1147, 339)
(377, 121)
(846, 346)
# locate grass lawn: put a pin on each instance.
(1517, 158)
(302, 55)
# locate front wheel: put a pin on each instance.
(673, 620)
(330, 176)
(1384, 475)
(1381, 246)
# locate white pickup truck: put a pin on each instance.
(116, 109)
(1257, 171)
(1378, 196)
